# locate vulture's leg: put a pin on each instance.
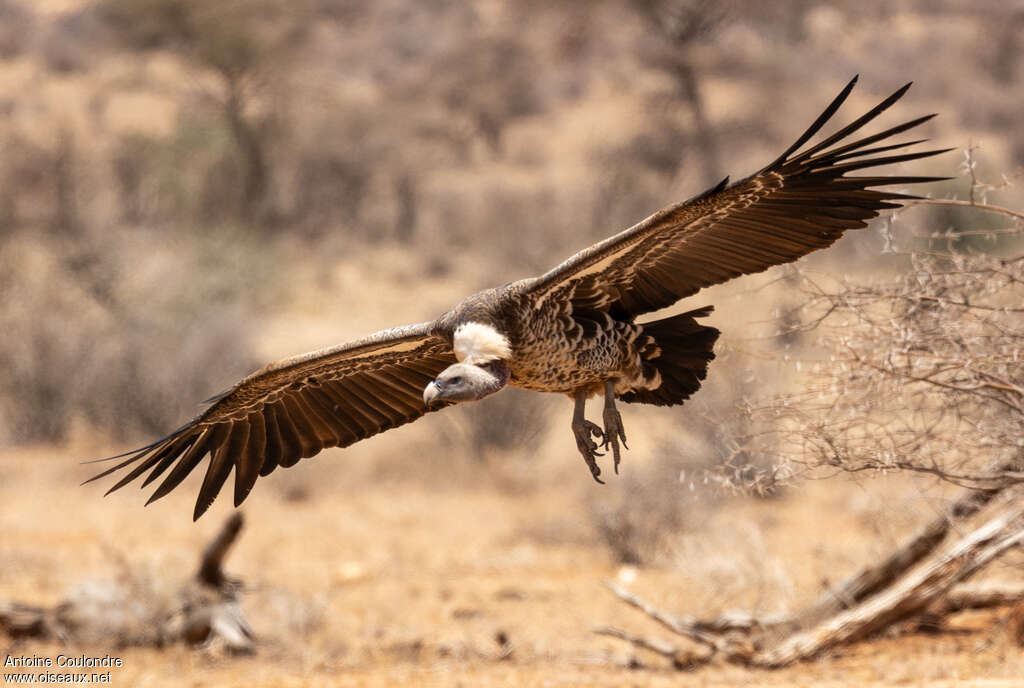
(582, 429)
(613, 430)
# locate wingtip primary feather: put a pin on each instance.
(824, 117)
(123, 454)
(203, 503)
(187, 462)
(844, 167)
(853, 126)
(139, 451)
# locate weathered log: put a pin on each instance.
(967, 597)
(905, 597)
(24, 620)
(209, 612)
(211, 565)
(924, 587)
(873, 578)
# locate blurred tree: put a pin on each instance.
(128, 165)
(246, 43)
(66, 220)
(74, 41)
(675, 28)
(491, 80)
(407, 217)
(16, 25)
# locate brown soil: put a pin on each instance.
(470, 583)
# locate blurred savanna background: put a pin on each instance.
(191, 189)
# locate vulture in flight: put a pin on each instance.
(573, 330)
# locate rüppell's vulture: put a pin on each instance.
(573, 330)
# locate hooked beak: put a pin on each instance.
(430, 392)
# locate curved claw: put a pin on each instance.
(588, 447)
(614, 433)
(599, 436)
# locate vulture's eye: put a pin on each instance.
(456, 380)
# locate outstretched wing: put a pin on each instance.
(295, 408)
(799, 203)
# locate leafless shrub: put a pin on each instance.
(511, 420)
(651, 509)
(73, 41)
(339, 164)
(705, 459)
(96, 335)
(16, 25)
(631, 180)
(27, 189)
(923, 371)
(188, 179)
(131, 162)
(660, 149)
(65, 178)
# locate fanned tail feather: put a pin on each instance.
(685, 350)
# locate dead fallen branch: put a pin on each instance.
(922, 581)
(23, 620)
(874, 578)
(967, 597)
(136, 610)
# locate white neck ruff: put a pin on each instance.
(477, 343)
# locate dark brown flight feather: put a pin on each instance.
(797, 204)
(294, 409)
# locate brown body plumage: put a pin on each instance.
(572, 330)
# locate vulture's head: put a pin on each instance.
(466, 382)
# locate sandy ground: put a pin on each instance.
(383, 582)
